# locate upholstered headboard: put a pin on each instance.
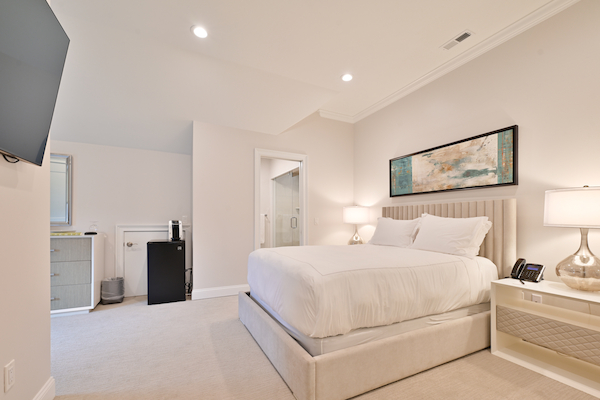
(500, 244)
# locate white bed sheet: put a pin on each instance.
(330, 290)
(319, 346)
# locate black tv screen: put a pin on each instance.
(33, 48)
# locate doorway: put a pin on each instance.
(280, 199)
(285, 230)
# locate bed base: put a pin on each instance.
(349, 372)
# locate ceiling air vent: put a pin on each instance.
(457, 40)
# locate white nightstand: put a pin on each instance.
(566, 322)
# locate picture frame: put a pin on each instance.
(482, 161)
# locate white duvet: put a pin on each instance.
(330, 290)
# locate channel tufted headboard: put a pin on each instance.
(500, 244)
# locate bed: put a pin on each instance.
(347, 371)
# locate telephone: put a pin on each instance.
(527, 272)
(518, 268)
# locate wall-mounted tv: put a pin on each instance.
(33, 49)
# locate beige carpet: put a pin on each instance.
(200, 350)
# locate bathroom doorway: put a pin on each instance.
(285, 229)
(280, 199)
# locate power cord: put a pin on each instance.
(16, 160)
(188, 285)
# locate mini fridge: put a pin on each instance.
(166, 271)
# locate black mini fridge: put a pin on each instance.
(166, 271)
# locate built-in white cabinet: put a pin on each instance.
(76, 272)
(548, 328)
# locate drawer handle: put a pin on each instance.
(53, 250)
(54, 298)
(54, 274)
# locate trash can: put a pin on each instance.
(113, 290)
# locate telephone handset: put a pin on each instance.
(527, 272)
(518, 268)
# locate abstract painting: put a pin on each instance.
(481, 161)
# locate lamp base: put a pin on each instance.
(355, 239)
(581, 271)
(358, 240)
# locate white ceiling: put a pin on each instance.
(136, 76)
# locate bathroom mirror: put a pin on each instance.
(60, 189)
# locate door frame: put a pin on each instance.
(259, 154)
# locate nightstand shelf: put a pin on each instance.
(553, 325)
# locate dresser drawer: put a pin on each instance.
(71, 296)
(70, 249)
(70, 273)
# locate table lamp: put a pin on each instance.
(576, 208)
(356, 215)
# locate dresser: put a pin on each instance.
(76, 272)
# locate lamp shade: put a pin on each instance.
(356, 215)
(573, 207)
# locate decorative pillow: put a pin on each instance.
(393, 232)
(458, 236)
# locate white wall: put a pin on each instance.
(25, 278)
(280, 167)
(223, 196)
(123, 186)
(544, 80)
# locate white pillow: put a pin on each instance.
(393, 232)
(458, 236)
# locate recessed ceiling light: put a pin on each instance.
(346, 77)
(199, 31)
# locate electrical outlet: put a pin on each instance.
(536, 298)
(9, 375)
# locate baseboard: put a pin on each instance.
(208, 293)
(48, 391)
(67, 313)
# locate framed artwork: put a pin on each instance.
(486, 160)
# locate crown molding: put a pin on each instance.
(337, 116)
(518, 27)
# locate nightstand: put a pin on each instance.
(550, 329)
